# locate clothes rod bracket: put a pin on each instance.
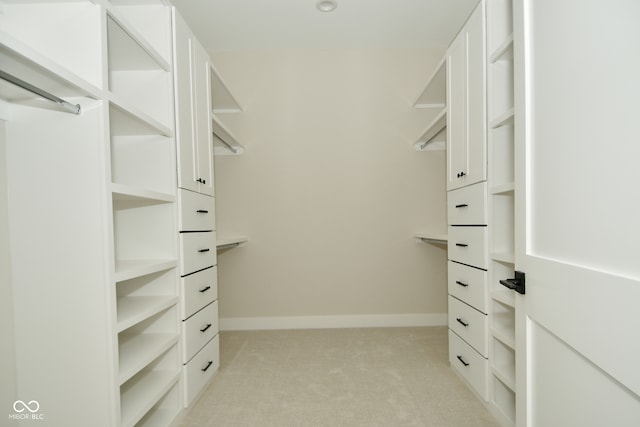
(67, 106)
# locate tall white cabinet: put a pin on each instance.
(197, 229)
(92, 209)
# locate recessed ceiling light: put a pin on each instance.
(326, 5)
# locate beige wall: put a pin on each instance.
(8, 380)
(330, 188)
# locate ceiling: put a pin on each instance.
(231, 25)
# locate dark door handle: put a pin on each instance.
(206, 327)
(464, 205)
(462, 361)
(462, 245)
(462, 322)
(203, 250)
(209, 363)
(516, 284)
(202, 211)
(205, 289)
(464, 285)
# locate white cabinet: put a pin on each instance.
(95, 279)
(467, 204)
(196, 222)
(466, 104)
(193, 111)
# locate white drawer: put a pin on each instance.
(198, 290)
(197, 251)
(197, 211)
(199, 329)
(469, 363)
(468, 245)
(468, 284)
(468, 205)
(470, 324)
(201, 369)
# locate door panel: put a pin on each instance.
(577, 208)
(456, 114)
(204, 137)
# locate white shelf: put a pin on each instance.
(502, 189)
(220, 132)
(28, 65)
(507, 378)
(130, 269)
(137, 352)
(503, 257)
(434, 93)
(505, 296)
(504, 52)
(138, 399)
(428, 140)
(129, 120)
(123, 192)
(432, 237)
(504, 119)
(133, 310)
(504, 338)
(228, 241)
(128, 50)
(222, 100)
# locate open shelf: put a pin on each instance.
(225, 242)
(138, 351)
(161, 414)
(133, 310)
(222, 133)
(429, 139)
(222, 100)
(125, 119)
(438, 238)
(434, 93)
(505, 296)
(127, 269)
(127, 193)
(504, 119)
(504, 52)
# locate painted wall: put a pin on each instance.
(330, 189)
(8, 380)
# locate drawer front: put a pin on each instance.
(197, 251)
(468, 245)
(201, 369)
(469, 285)
(469, 324)
(470, 364)
(468, 205)
(199, 289)
(198, 330)
(197, 211)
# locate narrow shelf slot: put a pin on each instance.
(504, 399)
(138, 351)
(434, 93)
(141, 394)
(133, 310)
(129, 120)
(165, 410)
(428, 139)
(504, 52)
(502, 189)
(127, 269)
(506, 297)
(127, 193)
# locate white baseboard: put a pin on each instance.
(322, 322)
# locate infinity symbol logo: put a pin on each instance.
(28, 406)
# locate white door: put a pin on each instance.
(578, 211)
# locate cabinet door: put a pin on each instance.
(202, 119)
(476, 98)
(183, 69)
(456, 114)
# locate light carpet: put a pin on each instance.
(337, 377)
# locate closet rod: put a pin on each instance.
(424, 144)
(71, 108)
(233, 150)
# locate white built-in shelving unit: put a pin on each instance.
(103, 282)
(434, 96)
(500, 100)
(223, 103)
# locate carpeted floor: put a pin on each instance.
(370, 377)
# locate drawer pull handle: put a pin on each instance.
(462, 245)
(462, 361)
(201, 181)
(464, 205)
(462, 322)
(464, 285)
(205, 289)
(202, 211)
(206, 327)
(203, 250)
(209, 363)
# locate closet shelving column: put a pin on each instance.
(142, 151)
(223, 103)
(434, 96)
(502, 395)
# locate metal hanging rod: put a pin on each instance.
(67, 106)
(229, 146)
